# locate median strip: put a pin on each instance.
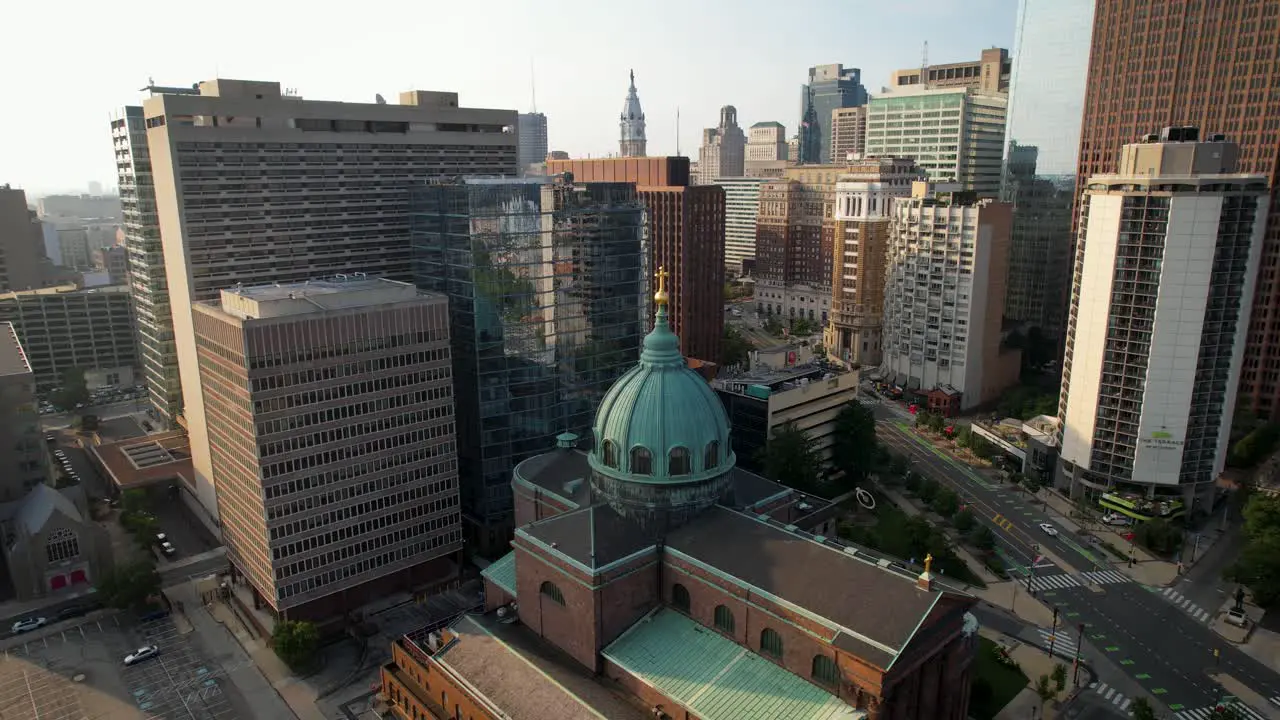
(950, 460)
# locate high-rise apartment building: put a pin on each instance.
(67, 328)
(23, 463)
(547, 284)
(1042, 136)
(21, 243)
(955, 134)
(989, 74)
(532, 136)
(741, 208)
(255, 185)
(1166, 265)
(631, 140)
(331, 411)
(1157, 63)
(863, 211)
(848, 133)
(686, 230)
(795, 232)
(724, 149)
(944, 296)
(829, 87)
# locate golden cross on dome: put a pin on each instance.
(928, 563)
(661, 296)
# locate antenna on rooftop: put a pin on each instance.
(677, 131)
(533, 88)
(924, 65)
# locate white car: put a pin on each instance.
(167, 548)
(1049, 529)
(28, 624)
(142, 653)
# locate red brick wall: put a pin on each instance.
(494, 596)
(532, 505)
(631, 593)
(572, 627)
(647, 694)
(426, 680)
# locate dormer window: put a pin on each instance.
(678, 461)
(609, 453)
(641, 461)
(711, 458)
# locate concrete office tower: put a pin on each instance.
(83, 207)
(686, 227)
(344, 208)
(1130, 91)
(330, 406)
(631, 143)
(1168, 254)
(848, 133)
(829, 87)
(955, 134)
(67, 328)
(989, 74)
(724, 149)
(766, 153)
(741, 208)
(532, 135)
(21, 243)
(863, 211)
(548, 295)
(23, 463)
(944, 296)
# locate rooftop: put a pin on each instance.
(68, 289)
(714, 677)
(147, 460)
(13, 359)
(593, 536)
(778, 380)
(312, 296)
(502, 572)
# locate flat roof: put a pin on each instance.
(66, 289)
(311, 296)
(714, 677)
(502, 572)
(147, 460)
(13, 359)
(593, 536)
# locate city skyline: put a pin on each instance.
(581, 104)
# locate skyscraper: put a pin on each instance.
(1046, 101)
(1156, 63)
(795, 229)
(331, 412)
(631, 142)
(1166, 265)
(988, 74)
(829, 87)
(298, 189)
(724, 149)
(848, 133)
(532, 134)
(547, 289)
(742, 205)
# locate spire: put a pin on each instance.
(661, 345)
(633, 80)
(631, 141)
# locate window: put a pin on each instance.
(641, 461)
(62, 545)
(711, 458)
(550, 590)
(678, 461)
(825, 670)
(770, 643)
(724, 619)
(610, 452)
(680, 597)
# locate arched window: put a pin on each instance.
(724, 619)
(680, 597)
(770, 643)
(62, 545)
(610, 452)
(825, 670)
(550, 590)
(641, 461)
(678, 461)
(711, 458)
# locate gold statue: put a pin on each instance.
(928, 563)
(661, 296)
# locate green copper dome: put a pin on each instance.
(661, 422)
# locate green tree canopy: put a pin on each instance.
(1141, 709)
(1258, 566)
(734, 349)
(73, 391)
(129, 585)
(296, 642)
(853, 449)
(791, 459)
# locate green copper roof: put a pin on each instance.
(658, 407)
(502, 572)
(715, 678)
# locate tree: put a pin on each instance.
(1258, 566)
(1059, 676)
(981, 448)
(946, 502)
(734, 349)
(964, 436)
(128, 586)
(899, 465)
(73, 392)
(964, 522)
(791, 459)
(983, 539)
(1254, 447)
(1141, 709)
(1159, 535)
(1044, 690)
(928, 490)
(912, 481)
(296, 642)
(773, 325)
(853, 448)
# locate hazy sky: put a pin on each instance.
(70, 63)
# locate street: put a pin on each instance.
(58, 421)
(1157, 639)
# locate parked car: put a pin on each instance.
(28, 624)
(1049, 529)
(142, 653)
(1117, 519)
(74, 611)
(168, 549)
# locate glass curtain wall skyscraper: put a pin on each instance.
(548, 297)
(830, 87)
(1046, 103)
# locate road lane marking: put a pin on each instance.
(1112, 648)
(1143, 676)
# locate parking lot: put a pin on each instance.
(77, 671)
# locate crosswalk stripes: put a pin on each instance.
(1063, 644)
(1183, 603)
(1111, 695)
(1244, 712)
(1054, 582)
(1106, 577)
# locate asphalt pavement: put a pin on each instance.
(58, 421)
